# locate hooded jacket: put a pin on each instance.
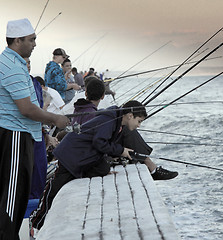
(78, 152)
(54, 78)
(83, 105)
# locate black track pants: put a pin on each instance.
(16, 165)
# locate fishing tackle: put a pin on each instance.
(186, 92)
(76, 127)
(49, 23)
(41, 15)
(137, 157)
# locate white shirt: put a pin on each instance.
(56, 103)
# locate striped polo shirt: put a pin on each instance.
(16, 83)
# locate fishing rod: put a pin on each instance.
(89, 47)
(49, 23)
(156, 70)
(138, 157)
(184, 73)
(144, 90)
(188, 103)
(41, 15)
(141, 90)
(121, 109)
(183, 64)
(119, 77)
(104, 111)
(184, 94)
(186, 143)
(178, 134)
(144, 58)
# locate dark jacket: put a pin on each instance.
(83, 105)
(79, 152)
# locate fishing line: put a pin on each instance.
(199, 53)
(49, 23)
(41, 15)
(185, 93)
(141, 90)
(96, 53)
(141, 61)
(144, 92)
(186, 143)
(89, 47)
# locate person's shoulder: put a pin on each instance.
(53, 91)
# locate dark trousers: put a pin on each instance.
(16, 165)
(62, 176)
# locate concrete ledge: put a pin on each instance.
(125, 205)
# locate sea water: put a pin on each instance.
(194, 198)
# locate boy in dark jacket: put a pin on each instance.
(85, 154)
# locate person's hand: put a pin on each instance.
(76, 86)
(126, 153)
(51, 141)
(67, 74)
(61, 121)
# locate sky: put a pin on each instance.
(119, 34)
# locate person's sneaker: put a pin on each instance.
(163, 174)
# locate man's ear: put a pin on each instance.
(85, 94)
(102, 97)
(130, 115)
(17, 41)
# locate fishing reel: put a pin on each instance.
(136, 157)
(76, 127)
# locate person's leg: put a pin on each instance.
(16, 164)
(99, 169)
(62, 176)
(133, 140)
(150, 164)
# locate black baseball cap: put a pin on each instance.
(60, 52)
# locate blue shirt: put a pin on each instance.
(54, 78)
(16, 83)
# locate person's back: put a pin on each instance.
(94, 93)
(90, 146)
(56, 103)
(78, 77)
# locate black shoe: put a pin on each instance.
(163, 174)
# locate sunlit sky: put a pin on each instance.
(118, 34)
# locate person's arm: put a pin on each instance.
(102, 138)
(30, 110)
(73, 86)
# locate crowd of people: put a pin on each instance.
(31, 106)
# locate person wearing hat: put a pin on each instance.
(20, 124)
(54, 75)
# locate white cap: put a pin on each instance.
(19, 28)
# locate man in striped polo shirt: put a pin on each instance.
(20, 123)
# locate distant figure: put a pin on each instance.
(54, 76)
(78, 77)
(89, 73)
(70, 93)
